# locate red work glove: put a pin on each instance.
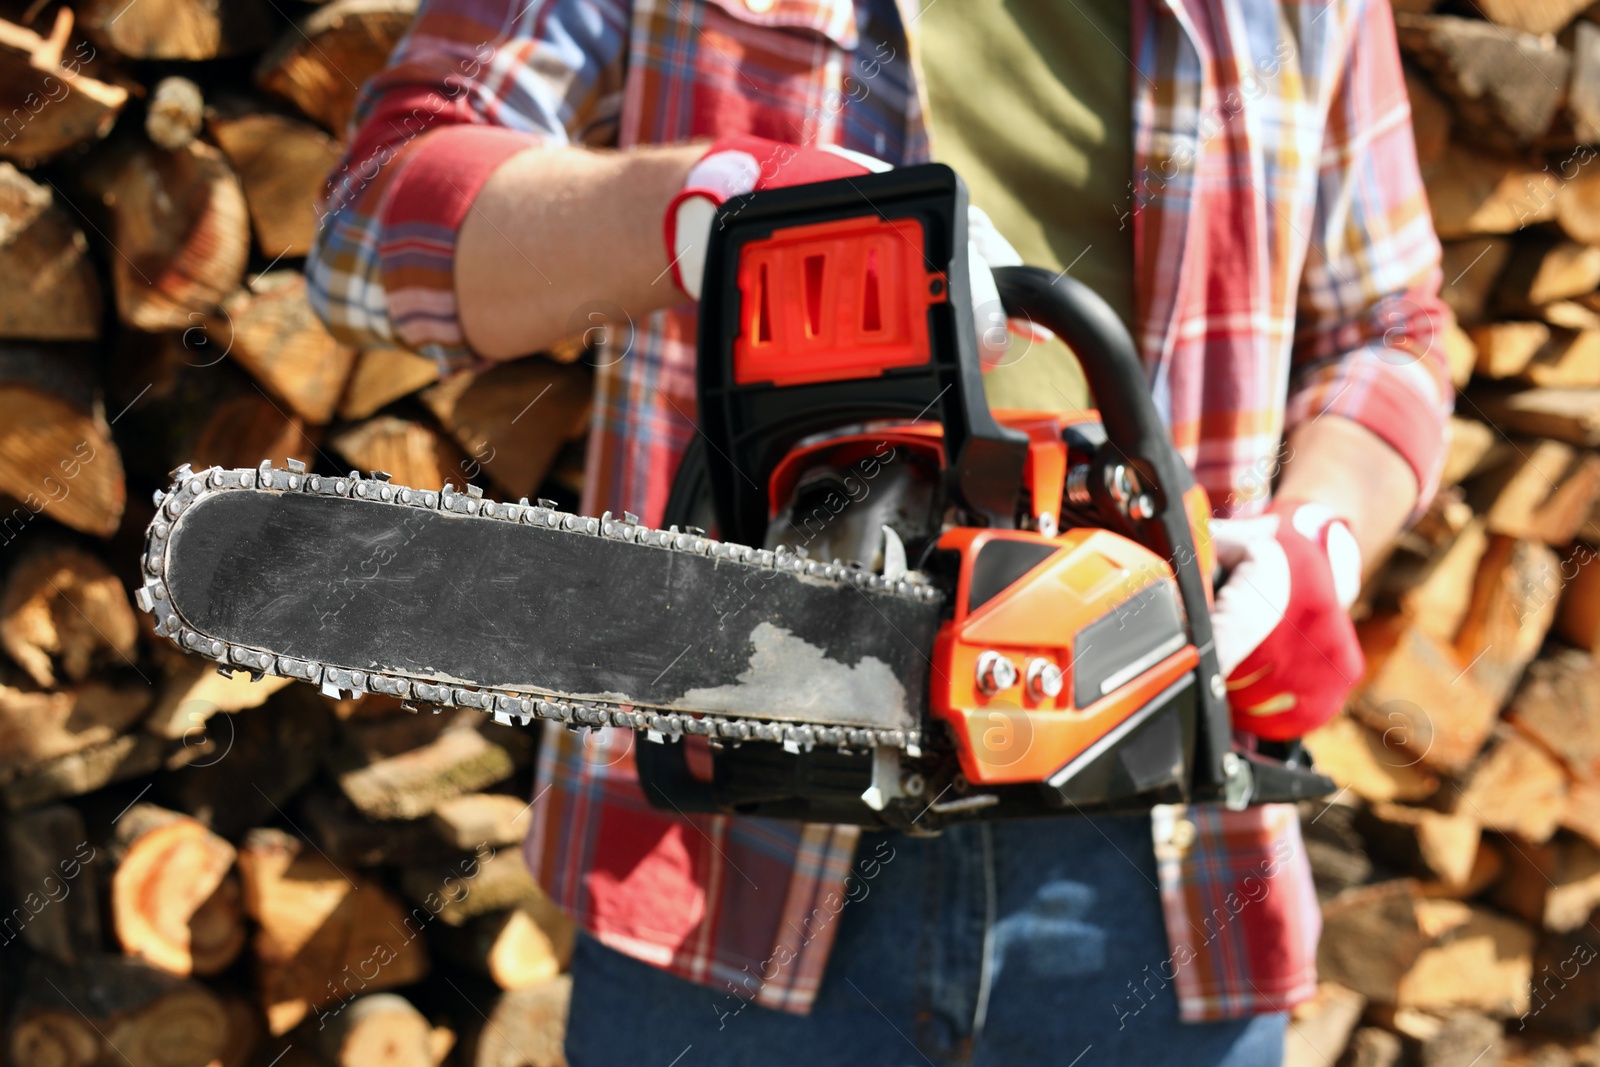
(1281, 620)
(737, 165)
(741, 164)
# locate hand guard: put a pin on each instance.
(743, 164)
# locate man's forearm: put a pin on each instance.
(555, 228)
(1340, 463)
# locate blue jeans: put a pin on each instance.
(1016, 943)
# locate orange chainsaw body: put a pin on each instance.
(1074, 667)
(1016, 733)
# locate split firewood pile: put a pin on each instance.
(1459, 866)
(197, 870)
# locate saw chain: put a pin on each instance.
(522, 704)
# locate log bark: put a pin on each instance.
(1438, 594)
(49, 290)
(466, 755)
(179, 222)
(1428, 844)
(1443, 1038)
(525, 946)
(350, 838)
(319, 64)
(484, 882)
(1334, 849)
(1471, 269)
(1558, 706)
(1431, 119)
(269, 329)
(526, 1028)
(248, 428)
(413, 453)
(1373, 1046)
(39, 728)
(1484, 70)
(83, 771)
(380, 1030)
(1513, 604)
(177, 29)
(1395, 949)
(175, 112)
(474, 819)
(1570, 415)
(184, 401)
(1516, 787)
(1555, 885)
(48, 853)
(57, 457)
(111, 1010)
(48, 104)
(283, 164)
(1420, 697)
(1472, 192)
(324, 936)
(1543, 271)
(514, 418)
(252, 763)
(383, 375)
(175, 902)
(1565, 994)
(63, 614)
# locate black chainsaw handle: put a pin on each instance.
(1076, 314)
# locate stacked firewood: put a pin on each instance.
(1460, 863)
(196, 870)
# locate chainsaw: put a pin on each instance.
(910, 610)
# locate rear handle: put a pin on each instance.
(1116, 376)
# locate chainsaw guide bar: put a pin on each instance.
(350, 583)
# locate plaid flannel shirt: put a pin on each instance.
(1286, 267)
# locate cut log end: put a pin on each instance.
(381, 1030)
(173, 901)
(175, 112)
(318, 64)
(63, 614)
(180, 224)
(56, 460)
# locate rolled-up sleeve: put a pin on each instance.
(471, 84)
(1370, 334)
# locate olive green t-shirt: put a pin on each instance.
(1029, 102)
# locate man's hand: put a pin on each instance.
(732, 167)
(1285, 643)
